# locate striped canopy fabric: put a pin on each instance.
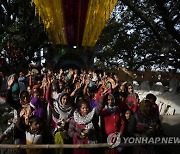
(74, 22)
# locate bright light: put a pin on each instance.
(74, 47)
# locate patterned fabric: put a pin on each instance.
(75, 130)
(33, 139)
(59, 106)
(86, 120)
(61, 113)
(79, 124)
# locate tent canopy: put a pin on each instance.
(74, 22)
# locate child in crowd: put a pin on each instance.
(37, 134)
(128, 115)
(152, 98)
(112, 120)
(131, 100)
(126, 133)
(83, 126)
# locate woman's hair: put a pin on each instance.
(106, 98)
(128, 109)
(23, 92)
(63, 94)
(151, 97)
(109, 85)
(126, 88)
(80, 102)
(143, 103)
(34, 118)
(55, 86)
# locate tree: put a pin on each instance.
(21, 34)
(141, 35)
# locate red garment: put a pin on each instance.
(99, 98)
(74, 131)
(112, 122)
(131, 102)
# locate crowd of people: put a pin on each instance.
(77, 107)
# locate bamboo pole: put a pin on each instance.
(52, 146)
(73, 146)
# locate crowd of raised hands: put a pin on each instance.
(76, 106)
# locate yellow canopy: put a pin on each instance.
(74, 22)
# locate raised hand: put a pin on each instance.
(10, 81)
(87, 81)
(78, 85)
(60, 71)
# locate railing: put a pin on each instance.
(52, 146)
(74, 146)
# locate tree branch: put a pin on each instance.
(144, 18)
(169, 24)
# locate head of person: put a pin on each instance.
(29, 90)
(75, 71)
(109, 85)
(128, 114)
(110, 100)
(21, 74)
(64, 99)
(24, 97)
(49, 72)
(151, 97)
(55, 90)
(146, 107)
(61, 85)
(130, 88)
(83, 107)
(78, 98)
(67, 89)
(21, 77)
(36, 124)
(35, 88)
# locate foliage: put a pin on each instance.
(141, 33)
(21, 34)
